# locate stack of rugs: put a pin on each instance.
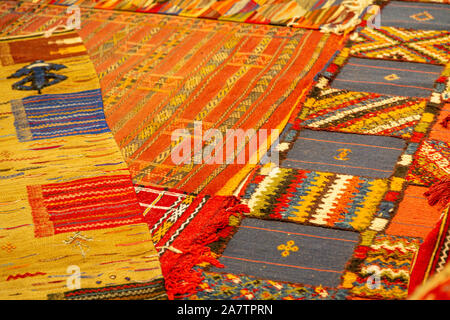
(119, 179)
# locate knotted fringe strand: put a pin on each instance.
(439, 193)
(349, 18)
(181, 279)
(445, 122)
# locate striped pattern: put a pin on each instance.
(305, 265)
(51, 116)
(159, 74)
(409, 79)
(345, 153)
(305, 14)
(317, 198)
(360, 112)
(419, 16)
(168, 213)
(83, 205)
(227, 286)
(145, 290)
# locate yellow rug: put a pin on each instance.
(70, 223)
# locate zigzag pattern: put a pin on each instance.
(388, 259)
(360, 112)
(318, 198)
(25, 275)
(426, 46)
(443, 257)
(91, 203)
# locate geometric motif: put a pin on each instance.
(360, 112)
(220, 286)
(425, 46)
(56, 115)
(144, 106)
(431, 163)
(85, 204)
(320, 259)
(182, 226)
(71, 209)
(167, 213)
(380, 266)
(317, 198)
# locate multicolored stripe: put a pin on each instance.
(50, 116)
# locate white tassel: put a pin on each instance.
(357, 7)
(170, 248)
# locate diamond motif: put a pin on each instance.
(423, 16)
(392, 77)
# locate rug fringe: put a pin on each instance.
(181, 279)
(439, 193)
(445, 122)
(353, 10)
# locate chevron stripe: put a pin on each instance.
(359, 112)
(426, 46)
(443, 257)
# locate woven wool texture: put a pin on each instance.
(388, 82)
(67, 198)
(160, 74)
(364, 138)
(311, 14)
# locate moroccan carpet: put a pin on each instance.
(336, 15)
(363, 144)
(68, 207)
(360, 156)
(160, 74)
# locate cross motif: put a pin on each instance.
(343, 154)
(9, 247)
(287, 248)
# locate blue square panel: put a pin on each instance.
(346, 153)
(283, 251)
(416, 15)
(407, 79)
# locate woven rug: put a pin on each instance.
(330, 229)
(70, 223)
(336, 15)
(162, 74)
(367, 157)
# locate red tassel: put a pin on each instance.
(439, 193)
(445, 122)
(180, 276)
